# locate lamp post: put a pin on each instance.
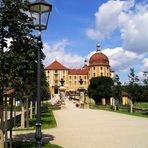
(62, 90)
(40, 11)
(81, 91)
(62, 82)
(81, 81)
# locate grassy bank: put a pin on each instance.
(137, 113)
(47, 119)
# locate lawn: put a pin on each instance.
(138, 113)
(141, 105)
(47, 119)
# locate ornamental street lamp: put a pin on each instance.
(40, 11)
(62, 82)
(81, 81)
(62, 90)
(81, 92)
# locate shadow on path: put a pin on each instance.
(30, 137)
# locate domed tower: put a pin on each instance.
(99, 64)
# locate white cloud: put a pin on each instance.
(145, 64)
(133, 28)
(107, 18)
(57, 51)
(120, 59)
(130, 18)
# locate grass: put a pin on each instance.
(141, 105)
(20, 144)
(139, 114)
(47, 119)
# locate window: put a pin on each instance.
(70, 77)
(48, 72)
(70, 83)
(79, 77)
(64, 77)
(85, 77)
(94, 68)
(75, 77)
(101, 74)
(101, 68)
(56, 71)
(63, 72)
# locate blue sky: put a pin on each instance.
(75, 27)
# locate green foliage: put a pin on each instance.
(141, 105)
(133, 87)
(19, 61)
(117, 89)
(145, 81)
(100, 87)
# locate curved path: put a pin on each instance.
(86, 128)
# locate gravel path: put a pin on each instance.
(86, 128)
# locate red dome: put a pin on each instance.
(99, 59)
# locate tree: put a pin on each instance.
(100, 87)
(133, 86)
(21, 56)
(117, 88)
(145, 87)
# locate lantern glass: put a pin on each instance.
(40, 21)
(40, 11)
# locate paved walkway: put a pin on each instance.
(86, 128)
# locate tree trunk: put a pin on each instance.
(131, 106)
(1, 124)
(22, 115)
(27, 113)
(14, 103)
(31, 109)
(6, 124)
(11, 122)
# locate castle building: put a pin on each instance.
(98, 66)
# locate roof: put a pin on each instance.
(82, 71)
(123, 93)
(56, 66)
(9, 92)
(99, 59)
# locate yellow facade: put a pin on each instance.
(98, 66)
(71, 81)
(96, 71)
